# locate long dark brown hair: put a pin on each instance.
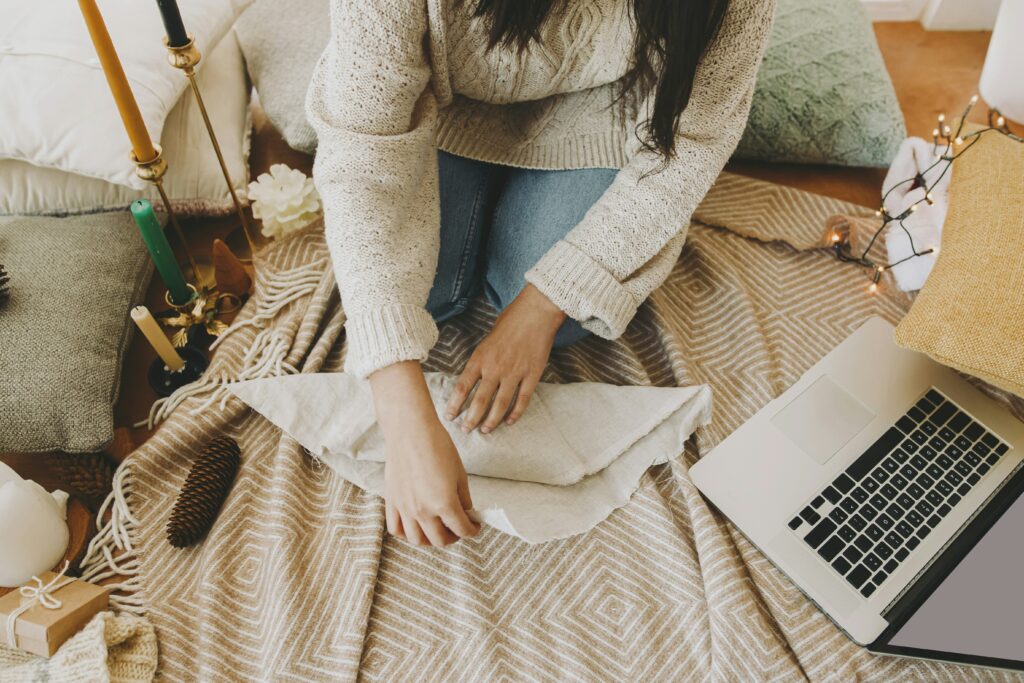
(671, 37)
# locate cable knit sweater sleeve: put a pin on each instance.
(376, 169)
(628, 241)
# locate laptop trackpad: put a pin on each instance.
(822, 419)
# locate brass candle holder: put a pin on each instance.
(153, 171)
(186, 58)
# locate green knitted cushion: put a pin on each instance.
(823, 94)
(65, 327)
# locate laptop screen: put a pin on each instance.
(978, 609)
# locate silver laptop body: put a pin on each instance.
(844, 483)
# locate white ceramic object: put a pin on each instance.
(1001, 83)
(33, 528)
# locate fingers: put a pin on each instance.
(394, 520)
(463, 386)
(478, 406)
(502, 400)
(526, 389)
(459, 522)
(438, 534)
(413, 533)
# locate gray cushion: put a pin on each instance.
(282, 41)
(66, 326)
(823, 94)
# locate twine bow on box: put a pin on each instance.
(31, 595)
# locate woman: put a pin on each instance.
(548, 153)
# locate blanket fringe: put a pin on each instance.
(266, 355)
(111, 558)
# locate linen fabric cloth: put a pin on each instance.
(575, 455)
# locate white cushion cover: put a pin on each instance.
(194, 181)
(56, 108)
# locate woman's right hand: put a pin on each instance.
(426, 490)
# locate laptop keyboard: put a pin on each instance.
(867, 521)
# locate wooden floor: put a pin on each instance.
(933, 72)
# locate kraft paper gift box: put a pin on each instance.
(41, 630)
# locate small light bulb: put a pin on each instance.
(974, 99)
(913, 208)
(942, 117)
(835, 237)
(878, 212)
(880, 269)
(935, 250)
(1000, 122)
(959, 140)
(935, 133)
(873, 287)
(946, 131)
(929, 198)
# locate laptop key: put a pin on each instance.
(972, 458)
(847, 533)
(1001, 449)
(879, 502)
(832, 495)
(819, 533)
(899, 456)
(871, 457)
(885, 521)
(894, 511)
(923, 532)
(963, 468)
(868, 512)
(894, 540)
(905, 424)
(919, 437)
(915, 414)
(943, 487)
(913, 542)
(863, 543)
(914, 518)
(992, 458)
(934, 520)
(905, 529)
(880, 475)
(944, 412)
(981, 449)
(869, 485)
(953, 500)
(943, 511)
(853, 554)
(990, 440)
(795, 523)
(901, 554)
(983, 468)
(879, 577)
(898, 480)
(925, 481)
(857, 522)
(890, 465)
(953, 479)
(947, 434)
(928, 452)
(817, 502)
(883, 551)
(872, 562)
(934, 497)
(974, 431)
(809, 515)
(890, 566)
(848, 504)
(935, 397)
(906, 501)
(867, 590)
(838, 515)
(929, 428)
(944, 461)
(924, 507)
(843, 483)
(841, 565)
(908, 471)
(915, 492)
(909, 446)
(959, 421)
(935, 471)
(954, 452)
(831, 548)
(962, 442)
(859, 494)
(962, 490)
(874, 532)
(889, 492)
(858, 576)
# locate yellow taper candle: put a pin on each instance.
(123, 97)
(157, 339)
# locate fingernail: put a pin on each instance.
(485, 430)
(466, 429)
(449, 416)
(511, 421)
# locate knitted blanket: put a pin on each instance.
(299, 581)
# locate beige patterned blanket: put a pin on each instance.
(298, 581)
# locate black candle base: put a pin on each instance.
(164, 382)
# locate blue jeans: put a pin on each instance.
(497, 222)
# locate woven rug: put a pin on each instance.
(298, 580)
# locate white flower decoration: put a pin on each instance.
(285, 200)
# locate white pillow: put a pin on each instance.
(56, 109)
(194, 181)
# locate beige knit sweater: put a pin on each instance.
(403, 78)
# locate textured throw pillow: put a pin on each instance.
(823, 94)
(57, 111)
(65, 327)
(282, 41)
(970, 313)
(193, 182)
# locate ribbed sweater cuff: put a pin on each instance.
(388, 335)
(584, 290)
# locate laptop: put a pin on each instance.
(889, 490)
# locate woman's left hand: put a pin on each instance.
(507, 364)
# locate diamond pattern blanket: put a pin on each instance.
(298, 580)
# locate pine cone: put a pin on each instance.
(5, 279)
(88, 476)
(204, 492)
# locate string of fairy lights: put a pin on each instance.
(948, 146)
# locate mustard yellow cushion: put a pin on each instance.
(970, 314)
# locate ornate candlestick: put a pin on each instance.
(153, 171)
(185, 58)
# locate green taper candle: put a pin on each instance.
(160, 250)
